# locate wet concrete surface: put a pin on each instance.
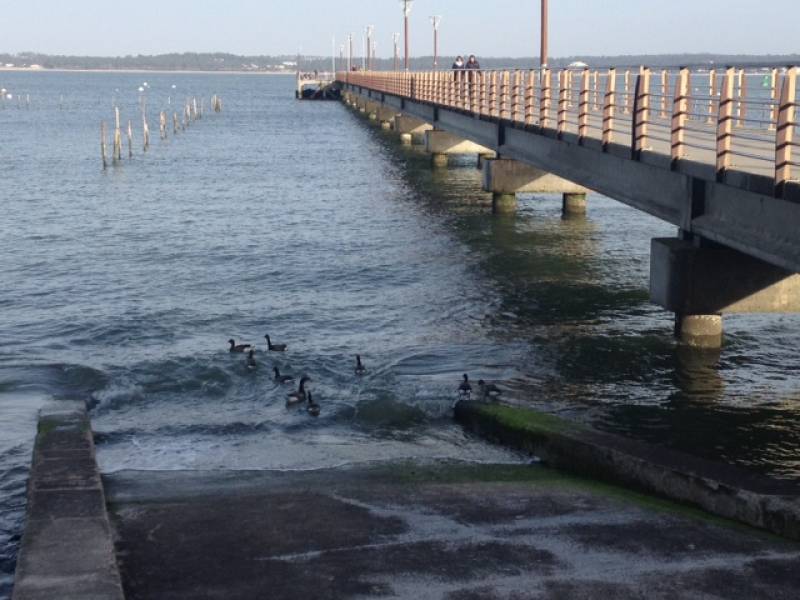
(437, 531)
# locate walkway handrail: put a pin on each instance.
(735, 125)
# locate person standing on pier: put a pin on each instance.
(473, 63)
(458, 65)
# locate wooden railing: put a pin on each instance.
(731, 120)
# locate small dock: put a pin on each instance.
(314, 85)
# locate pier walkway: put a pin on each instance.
(691, 148)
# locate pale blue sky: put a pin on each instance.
(486, 27)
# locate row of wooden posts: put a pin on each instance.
(192, 111)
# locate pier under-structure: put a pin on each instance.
(440, 144)
(720, 167)
(411, 130)
(505, 178)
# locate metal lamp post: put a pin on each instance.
(396, 40)
(406, 13)
(436, 21)
(370, 31)
(543, 53)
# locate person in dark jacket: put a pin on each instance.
(473, 63)
(458, 65)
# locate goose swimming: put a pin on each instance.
(489, 390)
(282, 378)
(251, 359)
(241, 348)
(300, 395)
(465, 389)
(274, 347)
(312, 408)
(360, 368)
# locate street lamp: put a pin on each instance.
(543, 53)
(370, 31)
(396, 40)
(436, 21)
(406, 13)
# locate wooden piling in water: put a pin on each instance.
(117, 156)
(175, 123)
(103, 144)
(130, 139)
(162, 125)
(145, 132)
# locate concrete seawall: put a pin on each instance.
(67, 550)
(720, 489)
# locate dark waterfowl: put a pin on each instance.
(274, 347)
(465, 389)
(312, 408)
(489, 391)
(300, 395)
(240, 349)
(282, 378)
(360, 368)
(251, 359)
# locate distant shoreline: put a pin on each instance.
(143, 71)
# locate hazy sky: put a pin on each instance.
(485, 27)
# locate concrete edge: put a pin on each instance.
(721, 490)
(67, 549)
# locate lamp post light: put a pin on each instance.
(436, 21)
(396, 40)
(406, 13)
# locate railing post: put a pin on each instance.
(505, 98)
(680, 113)
(712, 93)
(664, 92)
(529, 97)
(493, 96)
(583, 107)
(563, 101)
(641, 113)
(773, 96)
(517, 112)
(609, 109)
(546, 98)
(596, 90)
(725, 123)
(628, 95)
(473, 91)
(741, 107)
(784, 138)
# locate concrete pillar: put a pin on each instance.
(439, 143)
(573, 205)
(503, 203)
(701, 284)
(699, 331)
(411, 129)
(439, 160)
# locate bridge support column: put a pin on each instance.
(386, 117)
(573, 205)
(506, 178)
(441, 144)
(410, 129)
(701, 284)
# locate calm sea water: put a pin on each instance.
(299, 220)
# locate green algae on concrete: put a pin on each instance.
(720, 489)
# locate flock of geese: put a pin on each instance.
(301, 396)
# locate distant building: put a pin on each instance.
(577, 65)
(36, 67)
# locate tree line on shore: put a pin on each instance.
(192, 61)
